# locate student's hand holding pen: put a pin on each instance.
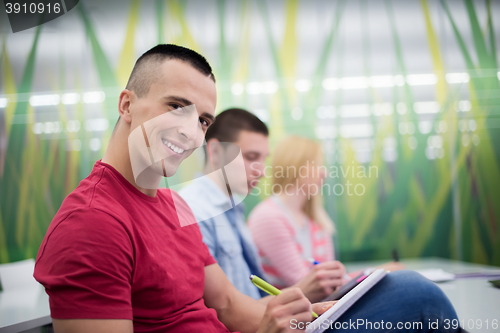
(289, 308)
(322, 280)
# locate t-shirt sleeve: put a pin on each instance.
(185, 214)
(207, 231)
(85, 264)
(206, 253)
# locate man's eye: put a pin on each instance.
(175, 106)
(204, 122)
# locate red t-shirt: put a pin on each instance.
(112, 252)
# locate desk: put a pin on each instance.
(474, 299)
(24, 310)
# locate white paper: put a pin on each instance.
(17, 275)
(436, 274)
(334, 313)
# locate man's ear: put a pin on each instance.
(124, 103)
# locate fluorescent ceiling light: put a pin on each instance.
(95, 144)
(380, 109)
(356, 130)
(94, 97)
(406, 128)
(73, 126)
(464, 106)
(362, 145)
(389, 155)
(303, 85)
(96, 125)
(399, 80)
(330, 84)
(457, 77)
(421, 79)
(52, 127)
(359, 82)
(254, 88)
(435, 141)
(237, 89)
(472, 125)
(355, 111)
(269, 87)
(70, 98)
(425, 127)
(426, 107)
(325, 112)
(326, 132)
(381, 81)
(42, 100)
(401, 108)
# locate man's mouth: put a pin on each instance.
(172, 147)
(253, 183)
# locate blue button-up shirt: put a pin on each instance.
(210, 205)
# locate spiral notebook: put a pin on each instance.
(324, 321)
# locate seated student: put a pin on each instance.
(291, 226)
(227, 235)
(115, 258)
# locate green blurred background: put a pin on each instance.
(406, 89)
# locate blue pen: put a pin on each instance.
(315, 262)
(312, 261)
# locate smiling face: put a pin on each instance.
(170, 121)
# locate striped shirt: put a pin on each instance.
(284, 247)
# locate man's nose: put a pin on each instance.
(259, 169)
(190, 127)
(322, 173)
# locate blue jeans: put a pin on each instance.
(401, 301)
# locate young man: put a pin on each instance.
(115, 258)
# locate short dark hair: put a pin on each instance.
(146, 71)
(229, 123)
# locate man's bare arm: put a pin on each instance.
(238, 312)
(242, 313)
(92, 325)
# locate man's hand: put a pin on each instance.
(322, 280)
(322, 307)
(291, 304)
